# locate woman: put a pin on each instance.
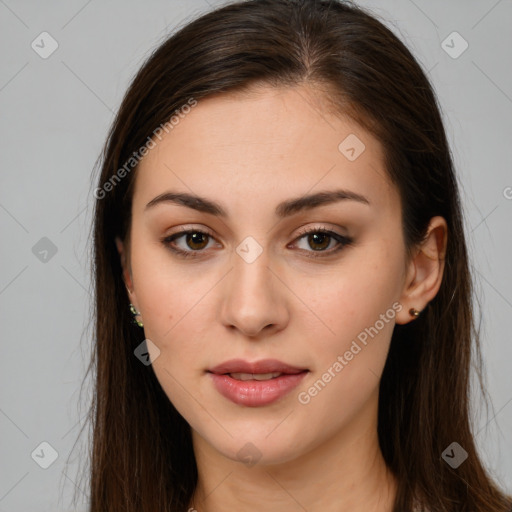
(278, 212)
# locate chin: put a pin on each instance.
(255, 446)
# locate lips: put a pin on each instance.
(265, 366)
(255, 384)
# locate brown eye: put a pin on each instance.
(196, 240)
(319, 241)
(322, 242)
(188, 243)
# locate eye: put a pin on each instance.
(195, 241)
(320, 239)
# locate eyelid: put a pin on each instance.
(303, 231)
(319, 228)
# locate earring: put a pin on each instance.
(414, 312)
(135, 313)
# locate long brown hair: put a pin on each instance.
(141, 455)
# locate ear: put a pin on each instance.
(425, 271)
(127, 273)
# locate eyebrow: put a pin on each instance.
(284, 209)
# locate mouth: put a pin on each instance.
(255, 384)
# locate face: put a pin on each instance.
(263, 273)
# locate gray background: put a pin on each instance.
(55, 113)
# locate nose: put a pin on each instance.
(255, 299)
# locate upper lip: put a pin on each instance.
(263, 366)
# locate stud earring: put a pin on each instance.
(135, 313)
(414, 312)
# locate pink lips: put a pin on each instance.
(255, 393)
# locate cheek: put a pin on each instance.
(343, 305)
(351, 353)
(166, 292)
(352, 314)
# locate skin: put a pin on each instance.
(249, 152)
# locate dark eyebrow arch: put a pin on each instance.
(284, 209)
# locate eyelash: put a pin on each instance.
(343, 241)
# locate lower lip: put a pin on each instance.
(255, 393)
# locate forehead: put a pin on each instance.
(274, 141)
